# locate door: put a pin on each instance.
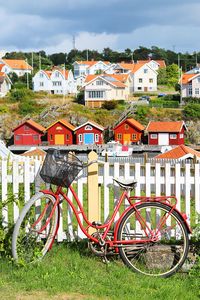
(163, 139)
(88, 138)
(126, 138)
(59, 139)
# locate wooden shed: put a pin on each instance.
(60, 132)
(89, 133)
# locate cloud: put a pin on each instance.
(117, 24)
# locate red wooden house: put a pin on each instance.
(166, 133)
(89, 133)
(128, 131)
(60, 132)
(28, 133)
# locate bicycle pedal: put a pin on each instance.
(96, 223)
(105, 260)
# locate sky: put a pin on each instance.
(52, 26)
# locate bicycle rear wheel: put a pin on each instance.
(166, 253)
(35, 229)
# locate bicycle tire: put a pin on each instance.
(28, 244)
(163, 257)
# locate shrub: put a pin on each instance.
(80, 98)
(20, 94)
(192, 111)
(109, 105)
(164, 104)
(191, 100)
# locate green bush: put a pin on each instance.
(3, 109)
(191, 100)
(164, 104)
(80, 98)
(171, 97)
(192, 111)
(109, 105)
(20, 94)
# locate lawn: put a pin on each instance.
(70, 271)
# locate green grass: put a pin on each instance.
(69, 271)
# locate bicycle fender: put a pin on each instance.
(49, 193)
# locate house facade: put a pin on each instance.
(190, 85)
(84, 68)
(128, 131)
(28, 133)
(18, 66)
(89, 133)
(5, 84)
(101, 88)
(60, 132)
(57, 81)
(166, 133)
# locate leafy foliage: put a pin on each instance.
(109, 105)
(192, 111)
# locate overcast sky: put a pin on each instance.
(119, 24)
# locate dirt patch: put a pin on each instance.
(45, 296)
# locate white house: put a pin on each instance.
(105, 87)
(5, 84)
(18, 66)
(190, 85)
(57, 81)
(143, 76)
(154, 64)
(80, 80)
(89, 67)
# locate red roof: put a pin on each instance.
(133, 122)
(165, 126)
(187, 77)
(178, 152)
(33, 124)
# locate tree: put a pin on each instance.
(172, 73)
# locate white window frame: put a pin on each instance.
(154, 136)
(80, 138)
(88, 127)
(96, 137)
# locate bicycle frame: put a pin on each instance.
(151, 236)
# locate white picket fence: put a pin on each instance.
(179, 179)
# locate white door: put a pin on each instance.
(163, 139)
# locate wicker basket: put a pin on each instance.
(60, 168)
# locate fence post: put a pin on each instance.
(93, 191)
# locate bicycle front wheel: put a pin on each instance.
(35, 229)
(157, 240)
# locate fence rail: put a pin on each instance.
(19, 179)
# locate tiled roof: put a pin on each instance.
(187, 77)
(178, 152)
(33, 124)
(159, 61)
(19, 64)
(35, 152)
(133, 122)
(112, 79)
(1, 66)
(165, 126)
(64, 122)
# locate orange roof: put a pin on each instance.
(2, 74)
(132, 122)
(34, 152)
(165, 126)
(32, 123)
(121, 77)
(160, 62)
(112, 78)
(64, 122)
(20, 64)
(178, 152)
(187, 77)
(1, 66)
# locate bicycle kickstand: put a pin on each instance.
(104, 257)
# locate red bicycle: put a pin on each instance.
(151, 236)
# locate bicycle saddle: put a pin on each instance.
(126, 183)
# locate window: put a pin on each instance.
(145, 71)
(196, 91)
(51, 137)
(126, 126)
(119, 136)
(26, 128)
(88, 127)
(41, 83)
(134, 136)
(181, 135)
(95, 94)
(154, 136)
(99, 82)
(140, 80)
(57, 74)
(198, 79)
(41, 75)
(67, 137)
(96, 137)
(150, 80)
(57, 83)
(80, 138)
(139, 88)
(17, 137)
(35, 137)
(173, 136)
